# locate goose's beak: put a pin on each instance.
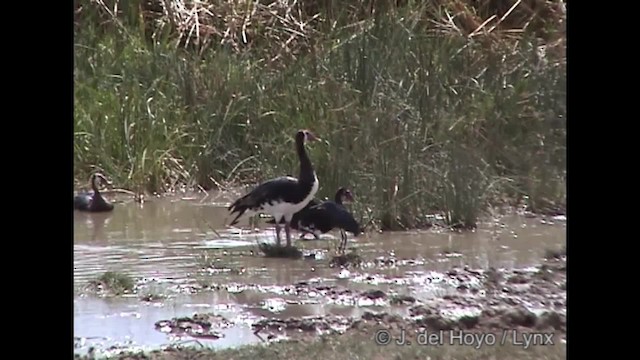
(312, 137)
(349, 197)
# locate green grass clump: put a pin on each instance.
(113, 282)
(421, 108)
(347, 260)
(280, 251)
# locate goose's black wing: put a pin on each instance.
(339, 216)
(282, 188)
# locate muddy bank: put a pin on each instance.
(538, 287)
(506, 303)
(361, 346)
(198, 326)
(423, 318)
(464, 291)
(383, 281)
(506, 334)
(530, 299)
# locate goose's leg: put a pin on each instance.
(278, 233)
(287, 230)
(343, 241)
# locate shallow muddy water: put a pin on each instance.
(178, 249)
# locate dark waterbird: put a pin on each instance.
(93, 202)
(323, 216)
(284, 196)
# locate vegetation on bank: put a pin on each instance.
(441, 106)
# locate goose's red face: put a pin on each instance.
(347, 196)
(308, 136)
(103, 179)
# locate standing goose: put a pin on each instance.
(283, 196)
(93, 202)
(329, 215)
(320, 217)
(340, 218)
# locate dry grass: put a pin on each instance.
(284, 30)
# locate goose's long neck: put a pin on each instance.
(306, 169)
(338, 198)
(94, 185)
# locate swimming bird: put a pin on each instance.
(93, 202)
(316, 220)
(283, 196)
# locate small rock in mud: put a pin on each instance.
(468, 322)
(518, 316)
(279, 251)
(374, 294)
(555, 254)
(457, 300)
(472, 272)
(410, 262)
(382, 317)
(518, 279)
(152, 297)
(511, 301)
(436, 322)
(421, 310)
(385, 261)
(402, 299)
(551, 319)
(310, 256)
(313, 324)
(493, 277)
(358, 325)
(350, 259)
(198, 326)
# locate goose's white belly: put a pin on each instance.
(280, 208)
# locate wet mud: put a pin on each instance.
(198, 326)
(508, 302)
(495, 299)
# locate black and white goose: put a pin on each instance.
(323, 216)
(284, 196)
(93, 202)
